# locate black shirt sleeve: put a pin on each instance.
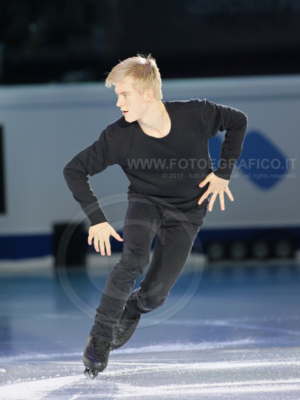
(217, 117)
(90, 161)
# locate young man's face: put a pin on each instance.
(132, 104)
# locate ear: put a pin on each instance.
(148, 94)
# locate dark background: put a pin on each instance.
(45, 41)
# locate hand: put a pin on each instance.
(217, 186)
(101, 233)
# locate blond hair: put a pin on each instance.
(144, 72)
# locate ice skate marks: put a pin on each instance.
(36, 390)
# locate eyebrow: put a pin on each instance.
(121, 93)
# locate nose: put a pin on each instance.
(119, 102)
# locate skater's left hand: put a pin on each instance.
(217, 186)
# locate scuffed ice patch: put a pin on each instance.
(161, 347)
(231, 373)
(64, 388)
(165, 347)
(35, 390)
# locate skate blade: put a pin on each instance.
(91, 373)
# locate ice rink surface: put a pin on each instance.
(227, 333)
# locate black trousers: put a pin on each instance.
(174, 234)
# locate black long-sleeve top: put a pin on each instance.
(165, 170)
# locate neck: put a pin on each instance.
(155, 117)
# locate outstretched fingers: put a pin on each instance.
(211, 201)
(102, 249)
(222, 202)
(116, 236)
(204, 196)
(104, 244)
(107, 245)
(229, 193)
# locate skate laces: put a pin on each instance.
(100, 347)
(125, 323)
(129, 316)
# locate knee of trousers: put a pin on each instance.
(154, 301)
(147, 301)
(133, 264)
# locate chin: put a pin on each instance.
(129, 119)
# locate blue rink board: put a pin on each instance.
(229, 333)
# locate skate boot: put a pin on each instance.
(95, 356)
(124, 329)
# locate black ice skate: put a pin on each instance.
(124, 329)
(95, 356)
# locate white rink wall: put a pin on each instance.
(45, 126)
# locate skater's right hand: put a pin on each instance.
(101, 233)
